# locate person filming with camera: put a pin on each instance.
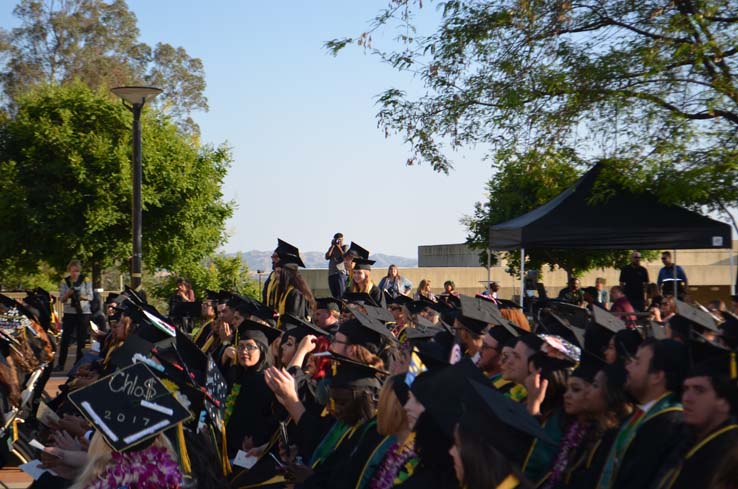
(75, 293)
(337, 272)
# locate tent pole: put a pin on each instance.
(522, 275)
(674, 273)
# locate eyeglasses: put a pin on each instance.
(247, 347)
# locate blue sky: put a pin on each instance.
(309, 159)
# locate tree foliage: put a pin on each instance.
(524, 182)
(65, 172)
(652, 83)
(96, 42)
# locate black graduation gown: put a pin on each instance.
(586, 463)
(308, 433)
(342, 468)
(296, 304)
(252, 414)
(655, 439)
(426, 477)
(695, 463)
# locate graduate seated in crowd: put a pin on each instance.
(378, 391)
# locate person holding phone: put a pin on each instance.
(337, 272)
(75, 292)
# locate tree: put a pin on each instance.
(217, 272)
(652, 83)
(96, 42)
(524, 182)
(65, 168)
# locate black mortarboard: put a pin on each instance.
(357, 251)
(655, 330)
(400, 299)
(350, 373)
(560, 326)
(576, 315)
(123, 356)
(421, 321)
(218, 390)
(729, 330)
(512, 427)
(359, 298)
(626, 342)
(253, 330)
(531, 341)
(501, 334)
(299, 328)
(434, 355)
(379, 313)
(364, 330)
(328, 303)
(363, 264)
(416, 307)
(288, 254)
(605, 319)
(111, 298)
(588, 368)
(129, 406)
(474, 316)
(12, 303)
(695, 315)
(420, 333)
(507, 304)
(549, 364)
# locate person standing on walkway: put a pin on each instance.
(337, 273)
(633, 280)
(75, 293)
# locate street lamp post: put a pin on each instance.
(136, 98)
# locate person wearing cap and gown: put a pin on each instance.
(288, 292)
(710, 399)
(491, 357)
(655, 377)
(248, 411)
(327, 313)
(361, 281)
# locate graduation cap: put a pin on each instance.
(328, 303)
(549, 364)
(401, 300)
(588, 368)
(379, 313)
(510, 425)
(218, 390)
(421, 332)
(350, 373)
(363, 264)
(258, 332)
(605, 319)
(357, 251)
(507, 304)
(532, 341)
(560, 346)
(129, 406)
(10, 303)
(694, 315)
(359, 298)
(656, 330)
(729, 330)
(474, 315)
(365, 331)
(298, 328)
(288, 254)
(123, 355)
(560, 326)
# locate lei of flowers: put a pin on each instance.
(231, 401)
(150, 468)
(394, 460)
(572, 439)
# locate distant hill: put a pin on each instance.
(260, 260)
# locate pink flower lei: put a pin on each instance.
(150, 468)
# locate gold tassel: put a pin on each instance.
(226, 464)
(733, 367)
(183, 455)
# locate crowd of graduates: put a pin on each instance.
(373, 390)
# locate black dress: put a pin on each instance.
(252, 414)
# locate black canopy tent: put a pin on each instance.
(627, 220)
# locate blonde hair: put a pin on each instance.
(74, 263)
(367, 283)
(99, 456)
(391, 416)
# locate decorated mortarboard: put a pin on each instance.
(299, 328)
(357, 251)
(559, 347)
(10, 304)
(359, 298)
(218, 390)
(603, 318)
(123, 356)
(695, 315)
(364, 330)
(328, 303)
(513, 427)
(350, 373)
(254, 330)
(129, 406)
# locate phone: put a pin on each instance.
(283, 433)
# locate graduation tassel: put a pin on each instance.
(226, 464)
(733, 367)
(183, 455)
